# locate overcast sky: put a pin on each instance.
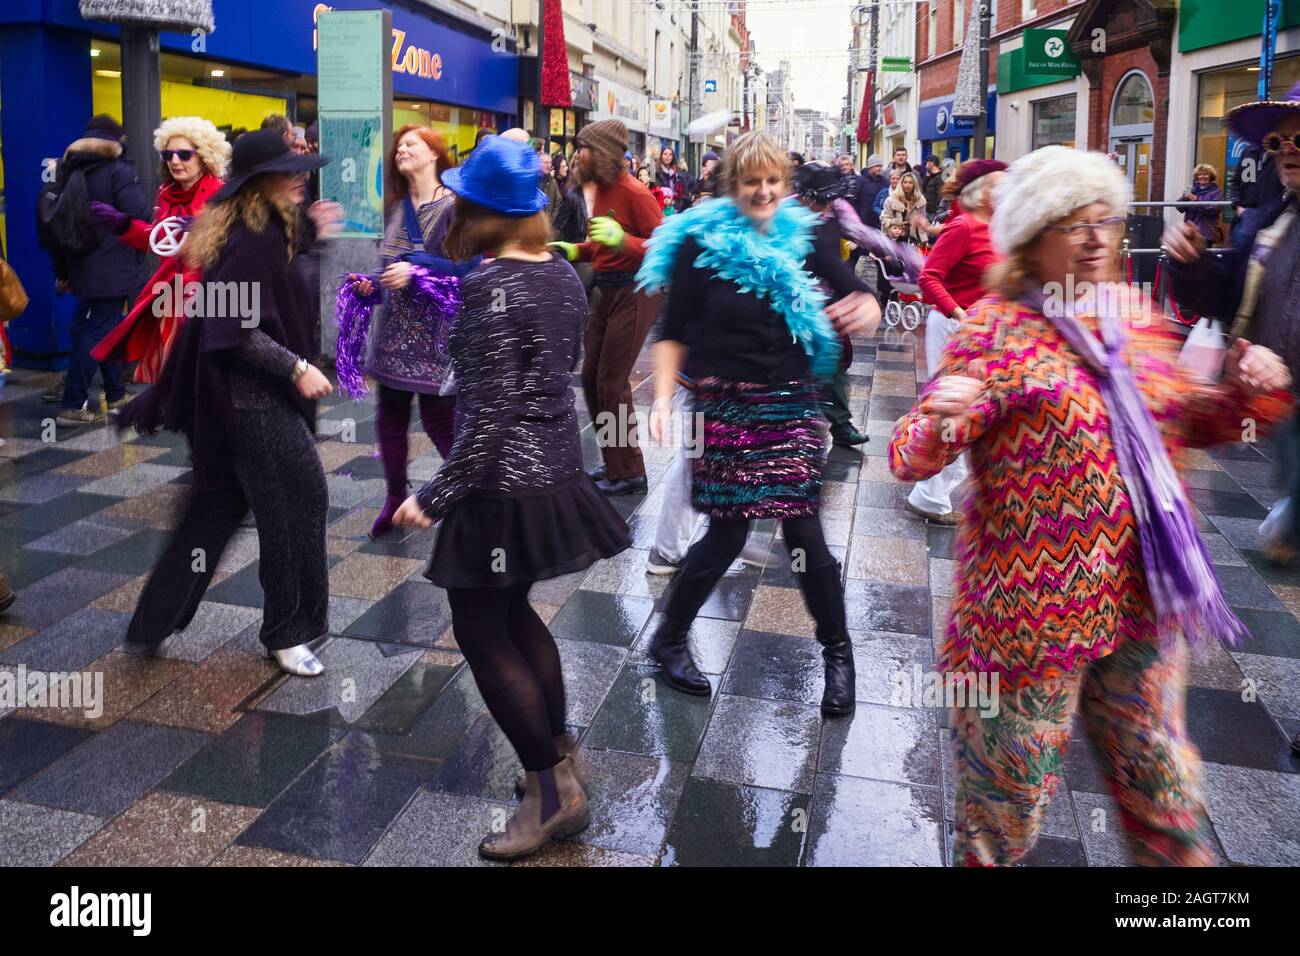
(806, 30)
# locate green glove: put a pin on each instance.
(568, 249)
(607, 232)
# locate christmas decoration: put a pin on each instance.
(972, 89)
(178, 15)
(864, 116)
(555, 58)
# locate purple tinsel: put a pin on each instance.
(353, 311)
(442, 295)
(439, 294)
(876, 242)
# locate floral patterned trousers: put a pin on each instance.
(1132, 703)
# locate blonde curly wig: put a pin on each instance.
(210, 142)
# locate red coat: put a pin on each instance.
(141, 336)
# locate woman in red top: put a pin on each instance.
(195, 155)
(952, 281)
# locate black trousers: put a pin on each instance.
(184, 570)
(280, 472)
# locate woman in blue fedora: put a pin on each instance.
(514, 502)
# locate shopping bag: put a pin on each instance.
(1202, 354)
(13, 297)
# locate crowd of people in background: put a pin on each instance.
(745, 274)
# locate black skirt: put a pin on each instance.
(500, 540)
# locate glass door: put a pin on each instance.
(1133, 156)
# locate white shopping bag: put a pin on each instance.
(1202, 354)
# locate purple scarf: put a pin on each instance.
(1180, 575)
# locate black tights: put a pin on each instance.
(516, 665)
(816, 570)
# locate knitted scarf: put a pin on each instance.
(1180, 575)
(767, 263)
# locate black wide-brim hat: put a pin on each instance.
(263, 151)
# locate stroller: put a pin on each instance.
(904, 305)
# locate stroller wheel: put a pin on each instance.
(893, 313)
(912, 316)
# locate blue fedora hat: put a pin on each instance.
(501, 175)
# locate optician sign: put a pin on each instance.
(935, 120)
(620, 102)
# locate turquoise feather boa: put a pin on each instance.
(768, 263)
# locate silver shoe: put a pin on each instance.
(146, 650)
(297, 660)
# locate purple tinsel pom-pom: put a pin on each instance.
(442, 291)
(353, 311)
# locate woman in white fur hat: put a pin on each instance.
(1081, 574)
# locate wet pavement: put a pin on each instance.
(210, 756)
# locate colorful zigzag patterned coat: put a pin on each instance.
(1049, 564)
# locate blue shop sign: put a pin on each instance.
(936, 121)
(431, 60)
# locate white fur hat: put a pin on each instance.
(1047, 185)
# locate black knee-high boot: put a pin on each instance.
(824, 596)
(705, 564)
(671, 643)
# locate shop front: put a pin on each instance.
(1038, 95)
(616, 101)
(893, 117)
(948, 136)
(664, 128)
(259, 60)
(1217, 92)
(559, 127)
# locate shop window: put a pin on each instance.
(1222, 90)
(1054, 121)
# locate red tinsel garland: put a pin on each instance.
(555, 58)
(864, 117)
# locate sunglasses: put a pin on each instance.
(184, 155)
(1274, 141)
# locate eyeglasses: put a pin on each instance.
(1274, 141)
(1080, 232)
(184, 155)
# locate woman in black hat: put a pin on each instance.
(515, 504)
(238, 385)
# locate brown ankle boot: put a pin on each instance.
(566, 744)
(8, 597)
(526, 832)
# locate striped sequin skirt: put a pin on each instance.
(763, 451)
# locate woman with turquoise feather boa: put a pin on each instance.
(747, 322)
